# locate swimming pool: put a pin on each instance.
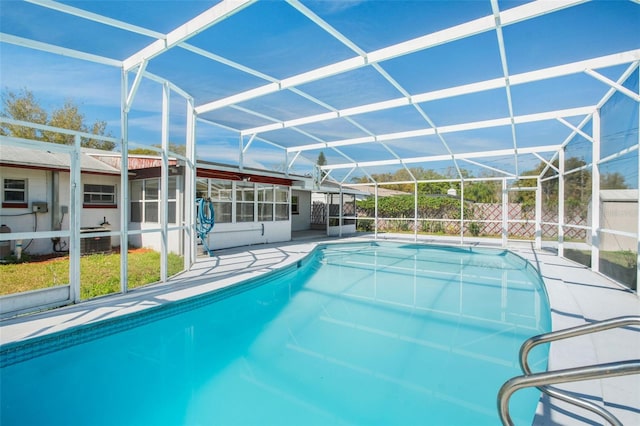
(353, 334)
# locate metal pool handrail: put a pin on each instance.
(542, 380)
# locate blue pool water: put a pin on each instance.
(354, 334)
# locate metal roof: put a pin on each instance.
(492, 87)
(13, 156)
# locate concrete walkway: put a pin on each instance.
(577, 296)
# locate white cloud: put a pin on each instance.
(336, 6)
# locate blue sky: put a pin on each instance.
(276, 40)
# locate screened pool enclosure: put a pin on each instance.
(486, 121)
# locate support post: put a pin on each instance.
(415, 211)
(538, 225)
(341, 201)
(595, 194)
(461, 211)
(124, 186)
(75, 212)
(241, 153)
(561, 203)
(505, 213)
(375, 219)
(164, 182)
(190, 188)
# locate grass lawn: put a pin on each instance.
(99, 273)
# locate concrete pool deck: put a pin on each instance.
(577, 296)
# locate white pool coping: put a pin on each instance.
(577, 296)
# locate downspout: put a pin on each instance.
(55, 201)
(57, 215)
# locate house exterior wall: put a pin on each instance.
(225, 235)
(22, 219)
(40, 189)
(302, 220)
(153, 240)
(95, 217)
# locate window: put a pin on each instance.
(145, 200)
(202, 188)
(294, 205)
(14, 193)
(282, 203)
(99, 195)
(265, 203)
(244, 202)
(221, 194)
(241, 201)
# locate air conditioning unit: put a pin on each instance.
(96, 243)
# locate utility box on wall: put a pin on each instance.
(39, 207)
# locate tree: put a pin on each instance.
(613, 180)
(321, 161)
(482, 192)
(24, 106)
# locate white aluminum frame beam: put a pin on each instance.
(619, 87)
(529, 118)
(626, 74)
(70, 10)
(190, 172)
(164, 181)
(446, 157)
(231, 129)
(62, 51)
(477, 26)
(595, 194)
(206, 19)
(505, 70)
(124, 183)
(57, 130)
(495, 169)
(575, 129)
(136, 85)
(351, 45)
(161, 37)
(465, 89)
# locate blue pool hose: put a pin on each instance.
(206, 221)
